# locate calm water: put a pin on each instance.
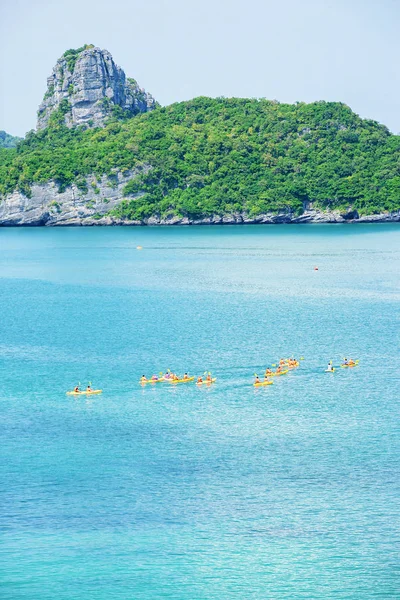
(291, 491)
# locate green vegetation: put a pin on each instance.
(7, 140)
(55, 205)
(49, 92)
(71, 56)
(95, 188)
(219, 156)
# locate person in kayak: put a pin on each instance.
(330, 367)
(200, 379)
(143, 379)
(186, 376)
(279, 369)
(76, 389)
(257, 380)
(351, 362)
(154, 378)
(267, 373)
(345, 361)
(88, 389)
(209, 378)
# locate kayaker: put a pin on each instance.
(143, 379)
(267, 373)
(200, 380)
(154, 378)
(330, 368)
(345, 362)
(279, 369)
(76, 389)
(266, 377)
(185, 376)
(351, 362)
(175, 377)
(209, 378)
(257, 379)
(88, 389)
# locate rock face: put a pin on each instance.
(88, 87)
(47, 206)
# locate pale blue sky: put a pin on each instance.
(345, 50)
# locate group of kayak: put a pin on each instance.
(174, 378)
(285, 365)
(347, 362)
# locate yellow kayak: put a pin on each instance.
(181, 380)
(153, 380)
(330, 370)
(281, 373)
(205, 382)
(350, 366)
(263, 383)
(84, 393)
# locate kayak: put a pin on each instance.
(84, 393)
(330, 370)
(181, 380)
(153, 380)
(277, 374)
(350, 366)
(205, 382)
(263, 383)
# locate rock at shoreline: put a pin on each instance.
(48, 206)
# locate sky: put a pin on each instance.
(287, 50)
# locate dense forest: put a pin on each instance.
(221, 156)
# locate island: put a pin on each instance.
(106, 153)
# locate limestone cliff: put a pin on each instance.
(47, 205)
(88, 87)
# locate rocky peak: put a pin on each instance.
(86, 86)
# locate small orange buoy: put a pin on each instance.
(139, 248)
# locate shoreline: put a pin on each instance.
(72, 219)
(49, 207)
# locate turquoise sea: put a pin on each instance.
(178, 492)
